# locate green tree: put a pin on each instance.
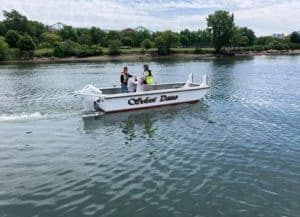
(68, 33)
(12, 37)
(50, 37)
(127, 41)
(97, 36)
(26, 43)
(15, 21)
(185, 38)
(114, 47)
(84, 36)
(249, 33)
(133, 37)
(165, 40)
(295, 37)
(35, 29)
(264, 40)
(141, 36)
(238, 39)
(113, 35)
(3, 48)
(222, 26)
(66, 48)
(147, 44)
(2, 29)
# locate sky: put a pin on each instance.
(265, 17)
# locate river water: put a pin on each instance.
(235, 153)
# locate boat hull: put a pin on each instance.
(150, 99)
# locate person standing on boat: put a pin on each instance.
(148, 77)
(124, 79)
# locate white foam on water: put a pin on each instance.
(22, 116)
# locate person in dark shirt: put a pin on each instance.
(124, 79)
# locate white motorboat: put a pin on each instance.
(113, 100)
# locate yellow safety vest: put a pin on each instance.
(148, 78)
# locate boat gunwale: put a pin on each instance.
(181, 89)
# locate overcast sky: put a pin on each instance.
(263, 16)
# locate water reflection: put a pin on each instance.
(141, 123)
(128, 122)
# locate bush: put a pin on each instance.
(71, 48)
(162, 47)
(13, 54)
(50, 38)
(87, 52)
(66, 48)
(12, 37)
(165, 41)
(276, 45)
(147, 44)
(44, 52)
(3, 48)
(127, 41)
(26, 43)
(44, 45)
(256, 48)
(199, 51)
(114, 47)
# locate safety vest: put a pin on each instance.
(148, 77)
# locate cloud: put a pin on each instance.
(264, 16)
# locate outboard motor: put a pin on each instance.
(91, 97)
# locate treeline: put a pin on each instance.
(23, 38)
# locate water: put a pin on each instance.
(235, 153)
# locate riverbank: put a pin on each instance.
(150, 56)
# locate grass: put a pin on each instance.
(48, 52)
(43, 52)
(13, 54)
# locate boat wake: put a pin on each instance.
(26, 116)
(22, 116)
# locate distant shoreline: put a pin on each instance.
(149, 57)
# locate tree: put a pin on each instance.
(141, 36)
(114, 47)
(238, 39)
(15, 21)
(35, 29)
(3, 48)
(50, 37)
(249, 33)
(126, 41)
(264, 40)
(97, 35)
(2, 28)
(147, 44)
(68, 33)
(185, 38)
(295, 37)
(165, 40)
(113, 35)
(12, 37)
(26, 43)
(222, 26)
(84, 36)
